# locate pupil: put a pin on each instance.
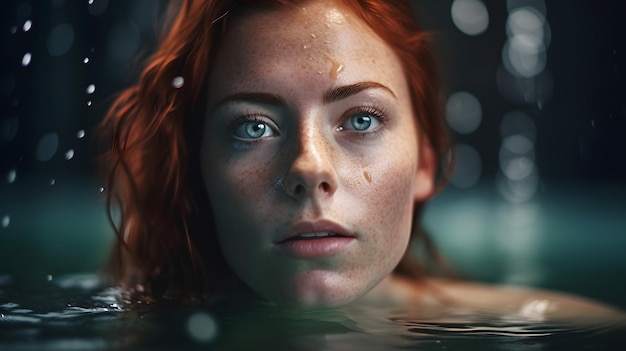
(256, 130)
(362, 122)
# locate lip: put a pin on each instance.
(314, 247)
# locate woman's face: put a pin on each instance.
(310, 155)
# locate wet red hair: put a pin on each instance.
(163, 218)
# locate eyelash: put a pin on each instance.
(375, 111)
(240, 144)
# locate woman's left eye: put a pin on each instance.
(360, 122)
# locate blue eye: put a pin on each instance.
(253, 130)
(360, 122)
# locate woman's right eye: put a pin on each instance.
(253, 129)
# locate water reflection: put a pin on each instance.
(76, 312)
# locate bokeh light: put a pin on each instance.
(60, 39)
(463, 112)
(47, 146)
(467, 167)
(202, 327)
(470, 16)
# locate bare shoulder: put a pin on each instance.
(530, 303)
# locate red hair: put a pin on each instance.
(166, 238)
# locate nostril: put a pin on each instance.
(325, 187)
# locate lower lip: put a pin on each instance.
(314, 248)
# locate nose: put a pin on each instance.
(311, 172)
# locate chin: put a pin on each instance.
(317, 291)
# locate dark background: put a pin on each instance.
(51, 205)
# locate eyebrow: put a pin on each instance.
(345, 91)
(332, 95)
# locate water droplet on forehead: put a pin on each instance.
(11, 176)
(26, 59)
(91, 88)
(6, 220)
(178, 82)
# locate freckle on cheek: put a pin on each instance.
(367, 176)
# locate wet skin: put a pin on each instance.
(310, 131)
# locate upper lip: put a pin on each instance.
(314, 227)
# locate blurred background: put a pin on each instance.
(535, 98)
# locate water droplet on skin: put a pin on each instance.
(6, 220)
(69, 154)
(91, 88)
(80, 134)
(27, 25)
(11, 176)
(178, 82)
(367, 176)
(313, 36)
(336, 67)
(86, 60)
(26, 59)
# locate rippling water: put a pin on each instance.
(77, 313)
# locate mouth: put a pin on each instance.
(313, 236)
(314, 240)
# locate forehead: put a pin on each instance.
(316, 37)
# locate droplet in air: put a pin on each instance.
(101, 189)
(13, 30)
(53, 181)
(86, 60)
(178, 82)
(80, 134)
(69, 154)
(90, 2)
(49, 277)
(6, 220)
(27, 25)
(88, 102)
(26, 59)
(91, 88)
(11, 176)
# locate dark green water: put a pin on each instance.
(76, 313)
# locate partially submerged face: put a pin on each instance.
(310, 155)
